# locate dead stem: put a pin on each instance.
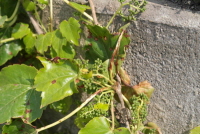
(93, 12)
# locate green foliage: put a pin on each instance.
(17, 94)
(56, 80)
(63, 105)
(18, 127)
(78, 7)
(97, 108)
(101, 43)
(101, 125)
(135, 7)
(8, 49)
(98, 125)
(26, 91)
(195, 130)
(70, 30)
(139, 110)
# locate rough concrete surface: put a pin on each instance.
(165, 50)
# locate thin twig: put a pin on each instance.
(84, 13)
(51, 15)
(112, 113)
(93, 12)
(35, 24)
(119, 93)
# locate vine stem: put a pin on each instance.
(93, 12)
(111, 20)
(39, 21)
(84, 13)
(112, 113)
(11, 39)
(35, 24)
(51, 15)
(126, 101)
(73, 112)
(15, 11)
(100, 75)
(7, 40)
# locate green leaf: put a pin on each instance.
(29, 41)
(195, 130)
(18, 127)
(61, 48)
(63, 105)
(9, 49)
(29, 5)
(79, 7)
(43, 1)
(42, 42)
(70, 30)
(20, 30)
(101, 106)
(101, 43)
(2, 20)
(56, 80)
(121, 130)
(15, 83)
(32, 109)
(98, 125)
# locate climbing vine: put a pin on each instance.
(41, 68)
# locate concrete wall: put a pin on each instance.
(165, 50)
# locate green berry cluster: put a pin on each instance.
(82, 63)
(98, 66)
(139, 108)
(135, 7)
(90, 87)
(87, 113)
(92, 75)
(104, 98)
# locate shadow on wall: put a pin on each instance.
(190, 5)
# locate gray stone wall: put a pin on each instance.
(165, 50)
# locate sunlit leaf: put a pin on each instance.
(18, 127)
(70, 30)
(29, 41)
(195, 130)
(56, 80)
(101, 106)
(61, 48)
(28, 5)
(20, 30)
(15, 83)
(98, 125)
(79, 7)
(9, 49)
(42, 42)
(43, 1)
